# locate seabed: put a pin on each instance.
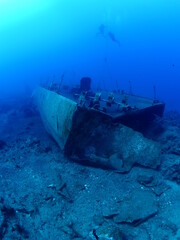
(45, 195)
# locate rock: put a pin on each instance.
(145, 179)
(107, 232)
(113, 146)
(171, 142)
(3, 226)
(163, 229)
(132, 148)
(172, 118)
(1, 221)
(171, 167)
(21, 230)
(160, 188)
(135, 209)
(44, 149)
(8, 212)
(1, 218)
(64, 193)
(98, 220)
(31, 142)
(170, 139)
(115, 161)
(110, 212)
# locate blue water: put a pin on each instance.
(111, 41)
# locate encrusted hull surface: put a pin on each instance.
(92, 137)
(56, 112)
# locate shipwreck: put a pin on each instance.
(100, 128)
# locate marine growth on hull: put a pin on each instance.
(100, 128)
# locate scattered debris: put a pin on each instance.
(45, 196)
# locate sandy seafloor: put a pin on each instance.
(43, 195)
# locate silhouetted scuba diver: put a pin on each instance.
(112, 37)
(103, 30)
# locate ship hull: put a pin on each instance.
(97, 138)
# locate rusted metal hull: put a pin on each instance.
(93, 137)
(57, 114)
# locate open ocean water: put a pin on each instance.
(121, 45)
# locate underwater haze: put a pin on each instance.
(111, 41)
(90, 162)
